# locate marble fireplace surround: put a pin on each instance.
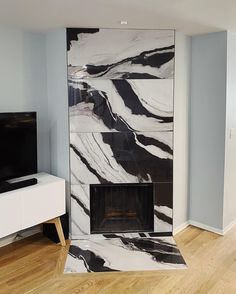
(121, 117)
(80, 209)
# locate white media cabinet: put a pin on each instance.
(26, 207)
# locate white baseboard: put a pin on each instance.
(206, 227)
(230, 226)
(180, 228)
(19, 236)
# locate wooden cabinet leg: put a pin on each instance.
(57, 222)
(60, 231)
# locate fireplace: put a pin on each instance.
(119, 208)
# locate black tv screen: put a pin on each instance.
(18, 144)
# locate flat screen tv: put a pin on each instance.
(18, 145)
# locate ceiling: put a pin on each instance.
(189, 16)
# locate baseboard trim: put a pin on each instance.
(180, 228)
(19, 236)
(206, 227)
(230, 226)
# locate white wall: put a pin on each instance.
(23, 88)
(181, 126)
(57, 92)
(23, 81)
(230, 134)
(207, 129)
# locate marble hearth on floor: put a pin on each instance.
(123, 252)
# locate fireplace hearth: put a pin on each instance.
(117, 208)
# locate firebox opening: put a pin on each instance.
(117, 208)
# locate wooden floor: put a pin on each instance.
(35, 265)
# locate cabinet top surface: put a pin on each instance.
(43, 179)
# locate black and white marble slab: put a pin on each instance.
(163, 207)
(80, 210)
(163, 219)
(121, 157)
(120, 54)
(98, 105)
(123, 254)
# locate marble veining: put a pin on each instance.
(123, 254)
(162, 219)
(120, 54)
(121, 157)
(121, 105)
(80, 210)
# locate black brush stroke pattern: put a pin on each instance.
(138, 161)
(163, 217)
(151, 141)
(161, 252)
(152, 58)
(132, 101)
(85, 209)
(101, 106)
(93, 262)
(84, 160)
(72, 34)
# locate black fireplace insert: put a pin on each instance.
(119, 208)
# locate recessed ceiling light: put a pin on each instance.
(123, 22)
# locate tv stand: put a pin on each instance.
(24, 208)
(10, 186)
